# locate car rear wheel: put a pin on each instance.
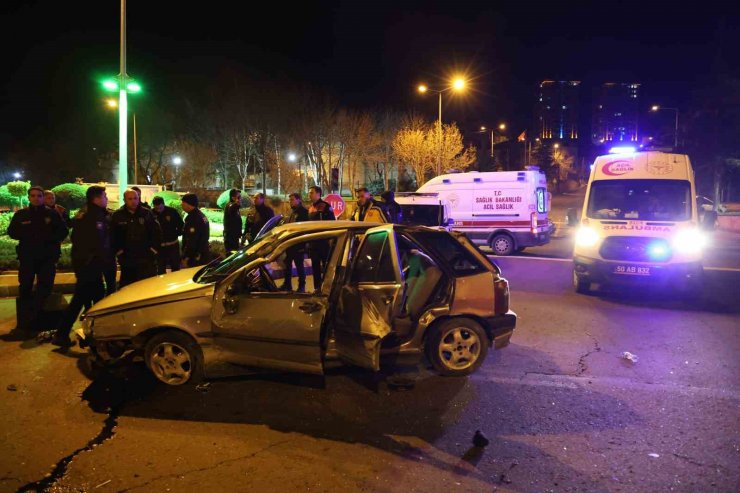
(581, 286)
(174, 358)
(502, 244)
(457, 346)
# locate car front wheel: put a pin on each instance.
(457, 347)
(174, 358)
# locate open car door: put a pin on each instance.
(370, 299)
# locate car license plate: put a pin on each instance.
(632, 270)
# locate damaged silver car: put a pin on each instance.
(387, 292)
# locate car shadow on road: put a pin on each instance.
(353, 406)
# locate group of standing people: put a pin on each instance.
(141, 239)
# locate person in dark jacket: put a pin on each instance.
(142, 203)
(50, 201)
(40, 232)
(392, 207)
(91, 257)
(318, 250)
(257, 217)
(232, 221)
(196, 233)
(137, 239)
(319, 210)
(171, 223)
(296, 253)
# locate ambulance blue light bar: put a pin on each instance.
(622, 150)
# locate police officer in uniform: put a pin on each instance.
(318, 250)
(196, 233)
(232, 221)
(39, 231)
(137, 239)
(91, 257)
(171, 223)
(295, 254)
(393, 208)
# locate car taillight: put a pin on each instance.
(533, 222)
(500, 296)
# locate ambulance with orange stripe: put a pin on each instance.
(506, 210)
(639, 222)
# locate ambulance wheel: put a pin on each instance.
(581, 286)
(502, 244)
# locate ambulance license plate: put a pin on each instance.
(632, 270)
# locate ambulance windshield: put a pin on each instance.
(643, 200)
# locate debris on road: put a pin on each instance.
(12, 387)
(654, 455)
(103, 484)
(480, 440)
(630, 357)
(203, 387)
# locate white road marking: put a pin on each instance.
(494, 257)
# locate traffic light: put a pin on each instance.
(334, 179)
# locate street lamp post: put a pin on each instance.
(122, 84)
(113, 104)
(177, 161)
(457, 85)
(656, 108)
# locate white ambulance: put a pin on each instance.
(506, 209)
(639, 222)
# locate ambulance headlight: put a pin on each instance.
(689, 241)
(586, 237)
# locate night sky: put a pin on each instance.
(365, 54)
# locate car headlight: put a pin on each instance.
(689, 241)
(586, 236)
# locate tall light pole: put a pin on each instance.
(113, 104)
(123, 84)
(457, 85)
(656, 108)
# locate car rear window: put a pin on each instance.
(451, 252)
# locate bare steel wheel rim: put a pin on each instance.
(171, 363)
(501, 244)
(459, 348)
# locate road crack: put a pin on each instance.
(60, 469)
(214, 466)
(582, 366)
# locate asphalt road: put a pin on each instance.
(562, 409)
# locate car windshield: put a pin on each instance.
(422, 215)
(240, 258)
(644, 200)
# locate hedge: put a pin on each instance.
(70, 195)
(5, 218)
(9, 200)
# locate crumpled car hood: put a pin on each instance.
(159, 289)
